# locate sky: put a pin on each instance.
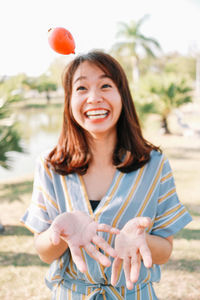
(24, 26)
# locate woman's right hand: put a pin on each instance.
(79, 230)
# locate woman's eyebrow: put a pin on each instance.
(105, 76)
(80, 78)
(85, 77)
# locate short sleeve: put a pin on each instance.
(171, 215)
(43, 208)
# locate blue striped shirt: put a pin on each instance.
(149, 191)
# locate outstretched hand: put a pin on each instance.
(131, 247)
(79, 230)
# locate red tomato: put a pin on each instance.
(61, 40)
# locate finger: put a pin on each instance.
(107, 228)
(98, 256)
(116, 267)
(135, 267)
(78, 259)
(144, 221)
(55, 237)
(101, 243)
(127, 269)
(146, 256)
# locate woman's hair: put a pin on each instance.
(72, 153)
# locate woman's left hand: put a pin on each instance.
(131, 247)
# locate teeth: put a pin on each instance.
(97, 112)
(97, 117)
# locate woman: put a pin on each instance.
(104, 207)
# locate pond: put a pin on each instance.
(40, 129)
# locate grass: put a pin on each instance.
(22, 272)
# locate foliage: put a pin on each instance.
(173, 63)
(169, 93)
(9, 136)
(12, 85)
(41, 84)
(134, 41)
(135, 44)
(144, 105)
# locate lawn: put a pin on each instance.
(22, 272)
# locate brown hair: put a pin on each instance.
(72, 153)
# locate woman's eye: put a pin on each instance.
(106, 85)
(80, 88)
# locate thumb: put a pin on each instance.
(55, 235)
(143, 222)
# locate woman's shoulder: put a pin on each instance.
(41, 158)
(158, 160)
(157, 155)
(43, 164)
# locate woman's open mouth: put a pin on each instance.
(97, 114)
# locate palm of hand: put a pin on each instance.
(79, 230)
(126, 243)
(131, 247)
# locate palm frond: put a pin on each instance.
(141, 21)
(150, 41)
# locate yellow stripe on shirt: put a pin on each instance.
(171, 220)
(167, 195)
(72, 267)
(69, 294)
(169, 212)
(39, 205)
(149, 290)
(109, 197)
(64, 185)
(128, 199)
(86, 195)
(86, 273)
(138, 291)
(115, 292)
(46, 168)
(40, 188)
(166, 177)
(151, 189)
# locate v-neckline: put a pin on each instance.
(102, 200)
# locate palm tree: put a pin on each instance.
(170, 94)
(135, 43)
(9, 136)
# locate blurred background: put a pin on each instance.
(158, 44)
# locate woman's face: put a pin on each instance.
(95, 101)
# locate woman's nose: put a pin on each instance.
(94, 97)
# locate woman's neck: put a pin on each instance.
(102, 150)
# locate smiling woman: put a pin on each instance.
(96, 80)
(95, 101)
(102, 155)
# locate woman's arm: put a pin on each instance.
(46, 250)
(161, 248)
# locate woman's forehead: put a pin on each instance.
(88, 67)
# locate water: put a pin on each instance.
(40, 130)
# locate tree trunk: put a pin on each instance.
(164, 126)
(135, 71)
(1, 227)
(48, 97)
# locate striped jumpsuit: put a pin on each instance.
(149, 191)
